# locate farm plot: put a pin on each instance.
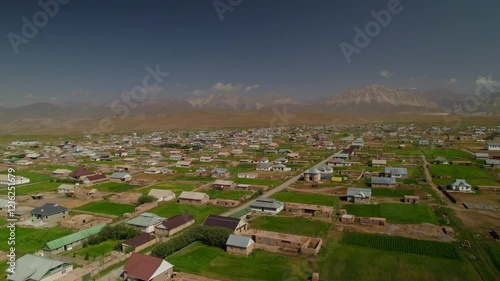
(30, 240)
(34, 188)
(200, 213)
(387, 192)
(306, 198)
(34, 177)
(402, 244)
(394, 212)
(449, 154)
(114, 187)
(472, 174)
(298, 226)
(108, 208)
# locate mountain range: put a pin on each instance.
(372, 99)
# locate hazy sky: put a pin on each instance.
(96, 50)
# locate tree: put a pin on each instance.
(146, 199)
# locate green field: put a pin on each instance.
(306, 198)
(94, 251)
(34, 177)
(343, 262)
(200, 213)
(109, 208)
(388, 192)
(258, 266)
(30, 240)
(114, 187)
(274, 183)
(402, 244)
(227, 194)
(472, 174)
(242, 168)
(394, 212)
(34, 188)
(449, 154)
(299, 226)
(175, 187)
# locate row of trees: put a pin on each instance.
(210, 235)
(114, 232)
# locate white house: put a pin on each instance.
(493, 146)
(460, 185)
(17, 180)
(162, 194)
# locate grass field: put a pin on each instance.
(299, 226)
(402, 244)
(343, 262)
(34, 177)
(259, 266)
(109, 208)
(114, 187)
(394, 212)
(175, 187)
(387, 192)
(241, 168)
(30, 240)
(306, 198)
(472, 174)
(200, 213)
(227, 194)
(449, 154)
(95, 251)
(34, 188)
(274, 183)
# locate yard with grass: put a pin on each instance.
(388, 192)
(30, 240)
(175, 187)
(306, 198)
(200, 213)
(394, 212)
(93, 251)
(114, 187)
(227, 194)
(299, 226)
(343, 262)
(259, 266)
(472, 174)
(108, 208)
(34, 177)
(34, 188)
(449, 154)
(269, 182)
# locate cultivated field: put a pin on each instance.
(306, 198)
(259, 266)
(200, 213)
(394, 212)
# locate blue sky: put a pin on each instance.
(96, 50)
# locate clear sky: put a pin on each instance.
(95, 50)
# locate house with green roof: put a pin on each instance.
(68, 242)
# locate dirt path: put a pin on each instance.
(431, 182)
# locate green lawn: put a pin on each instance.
(449, 154)
(472, 174)
(388, 192)
(299, 226)
(227, 194)
(114, 187)
(274, 183)
(30, 240)
(34, 188)
(95, 250)
(394, 212)
(34, 177)
(109, 208)
(306, 198)
(242, 168)
(175, 187)
(342, 262)
(258, 266)
(200, 213)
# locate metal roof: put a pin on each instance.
(145, 220)
(31, 267)
(72, 238)
(239, 241)
(266, 203)
(382, 180)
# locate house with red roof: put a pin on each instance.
(140, 267)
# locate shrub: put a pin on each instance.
(146, 199)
